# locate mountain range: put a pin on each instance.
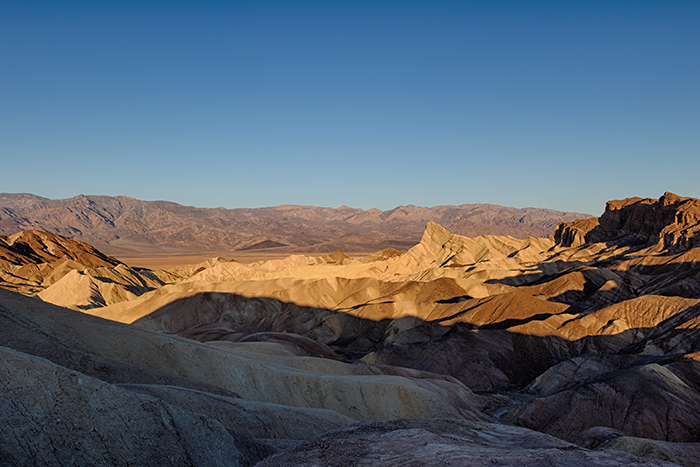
(123, 225)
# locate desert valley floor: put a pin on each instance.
(578, 349)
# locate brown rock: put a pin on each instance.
(671, 222)
(34, 247)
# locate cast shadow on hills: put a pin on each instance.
(486, 358)
(680, 279)
(610, 371)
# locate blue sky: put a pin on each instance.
(558, 104)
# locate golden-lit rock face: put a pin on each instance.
(671, 222)
(594, 329)
(32, 260)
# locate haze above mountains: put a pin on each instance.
(578, 349)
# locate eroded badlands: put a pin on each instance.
(579, 349)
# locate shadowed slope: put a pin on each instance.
(35, 247)
(442, 442)
(49, 418)
(243, 374)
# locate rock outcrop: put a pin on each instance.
(36, 247)
(639, 398)
(33, 260)
(671, 222)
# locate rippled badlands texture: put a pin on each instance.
(462, 351)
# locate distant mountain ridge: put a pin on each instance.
(121, 224)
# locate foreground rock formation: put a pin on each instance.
(461, 351)
(72, 382)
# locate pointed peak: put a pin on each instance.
(433, 227)
(669, 198)
(435, 233)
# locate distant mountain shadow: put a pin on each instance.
(265, 244)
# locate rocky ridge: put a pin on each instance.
(33, 260)
(671, 222)
(445, 443)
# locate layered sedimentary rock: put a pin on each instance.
(37, 247)
(671, 222)
(54, 416)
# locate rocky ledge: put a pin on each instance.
(671, 222)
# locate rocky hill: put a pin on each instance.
(33, 260)
(123, 225)
(36, 247)
(671, 222)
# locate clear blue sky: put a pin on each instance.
(554, 104)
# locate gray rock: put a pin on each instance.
(249, 418)
(51, 416)
(646, 401)
(685, 454)
(446, 443)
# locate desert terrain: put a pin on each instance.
(512, 346)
